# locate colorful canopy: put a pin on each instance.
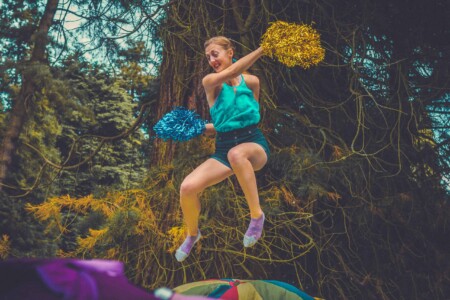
(234, 289)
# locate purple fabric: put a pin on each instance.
(74, 278)
(110, 267)
(67, 279)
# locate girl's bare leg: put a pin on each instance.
(207, 174)
(245, 159)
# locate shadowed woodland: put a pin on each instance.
(356, 192)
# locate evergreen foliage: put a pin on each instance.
(79, 133)
(25, 59)
(105, 110)
(76, 110)
(20, 233)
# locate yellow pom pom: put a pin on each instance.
(293, 44)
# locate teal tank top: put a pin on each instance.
(235, 108)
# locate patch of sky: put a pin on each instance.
(96, 35)
(371, 63)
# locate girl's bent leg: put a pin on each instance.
(207, 174)
(245, 159)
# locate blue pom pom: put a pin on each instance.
(180, 125)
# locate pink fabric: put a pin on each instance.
(231, 294)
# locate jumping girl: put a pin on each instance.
(241, 148)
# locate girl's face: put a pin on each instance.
(218, 58)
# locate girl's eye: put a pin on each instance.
(213, 54)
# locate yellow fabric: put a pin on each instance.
(248, 291)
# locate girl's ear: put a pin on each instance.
(230, 53)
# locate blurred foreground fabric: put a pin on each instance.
(71, 279)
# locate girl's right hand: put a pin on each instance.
(210, 130)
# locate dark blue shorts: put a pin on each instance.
(227, 140)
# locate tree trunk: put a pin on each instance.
(181, 71)
(19, 112)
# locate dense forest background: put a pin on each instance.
(356, 192)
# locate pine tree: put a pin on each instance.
(28, 90)
(33, 39)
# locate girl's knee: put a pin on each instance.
(189, 188)
(235, 156)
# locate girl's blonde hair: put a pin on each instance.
(221, 41)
